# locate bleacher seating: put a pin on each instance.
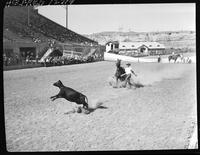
(39, 28)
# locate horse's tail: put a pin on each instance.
(118, 63)
(86, 99)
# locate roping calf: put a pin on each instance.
(70, 95)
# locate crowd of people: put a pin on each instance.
(68, 60)
(11, 60)
(49, 61)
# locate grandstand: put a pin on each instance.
(16, 19)
(24, 28)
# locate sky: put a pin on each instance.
(88, 19)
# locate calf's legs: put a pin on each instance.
(54, 97)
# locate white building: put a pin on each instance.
(128, 48)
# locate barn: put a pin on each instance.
(135, 48)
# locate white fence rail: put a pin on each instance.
(114, 57)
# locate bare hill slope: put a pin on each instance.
(171, 39)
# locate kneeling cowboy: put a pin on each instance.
(128, 71)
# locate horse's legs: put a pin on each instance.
(116, 81)
(182, 60)
(169, 58)
(175, 60)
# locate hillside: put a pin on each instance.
(171, 39)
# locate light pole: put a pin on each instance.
(66, 8)
(67, 16)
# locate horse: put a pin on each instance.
(174, 57)
(188, 60)
(119, 71)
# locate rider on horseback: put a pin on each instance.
(174, 57)
(128, 72)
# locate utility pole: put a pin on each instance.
(67, 16)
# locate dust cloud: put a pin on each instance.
(149, 74)
(152, 75)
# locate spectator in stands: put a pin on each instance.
(45, 62)
(54, 61)
(23, 58)
(48, 60)
(5, 60)
(17, 59)
(31, 58)
(36, 58)
(62, 61)
(20, 59)
(27, 59)
(8, 61)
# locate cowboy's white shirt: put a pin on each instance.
(128, 70)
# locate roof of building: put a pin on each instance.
(136, 45)
(114, 42)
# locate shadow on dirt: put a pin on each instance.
(138, 85)
(172, 79)
(121, 84)
(90, 110)
(133, 86)
(86, 111)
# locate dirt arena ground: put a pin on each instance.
(160, 115)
